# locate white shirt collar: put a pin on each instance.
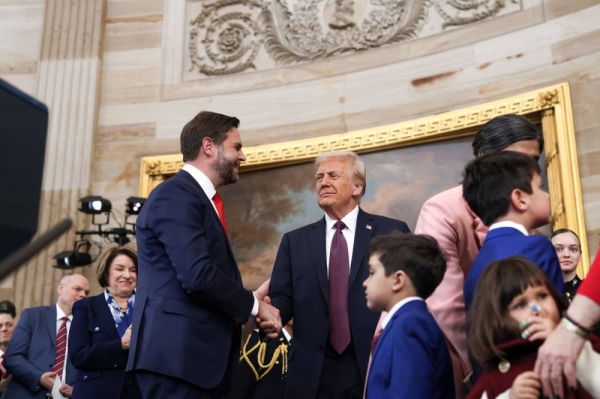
(202, 179)
(508, 223)
(349, 220)
(60, 314)
(396, 307)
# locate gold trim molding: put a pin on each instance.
(550, 106)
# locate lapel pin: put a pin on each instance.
(369, 227)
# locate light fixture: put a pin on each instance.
(94, 205)
(79, 256)
(134, 205)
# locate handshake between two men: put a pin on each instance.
(268, 318)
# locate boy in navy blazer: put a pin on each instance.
(505, 190)
(410, 356)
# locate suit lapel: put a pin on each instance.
(412, 306)
(51, 324)
(362, 238)
(316, 240)
(104, 315)
(204, 198)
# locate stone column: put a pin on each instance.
(69, 74)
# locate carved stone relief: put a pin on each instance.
(234, 36)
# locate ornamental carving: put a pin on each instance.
(462, 12)
(233, 36)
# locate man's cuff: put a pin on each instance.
(254, 312)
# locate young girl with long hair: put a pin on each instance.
(514, 309)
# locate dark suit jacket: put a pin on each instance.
(504, 242)
(189, 293)
(271, 384)
(411, 359)
(31, 353)
(300, 289)
(95, 349)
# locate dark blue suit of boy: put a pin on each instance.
(95, 349)
(504, 242)
(31, 353)
(190, 301)
(300, 289)
(411, 359)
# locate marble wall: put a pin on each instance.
(148, 90)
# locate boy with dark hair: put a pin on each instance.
(460, 234)
(505, 190)
(410, 356)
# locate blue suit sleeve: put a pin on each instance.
(281, 287)
(548, 262)
(180, 226)
(412, 366)
(468, 291)
(16, 358)
(90, 356)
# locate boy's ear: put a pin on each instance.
(399, 281)
(519, 200)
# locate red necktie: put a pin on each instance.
(220, 210)
(339, 266)
(61, 349)
(2, 369)
(374, 343)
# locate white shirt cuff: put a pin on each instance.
(254, 312)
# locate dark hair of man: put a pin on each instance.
(205, 124)
(562, 231)
(488, 182)
(9, 308)
(489, 318)
(505, 130)
(109, 257)
(419, 256)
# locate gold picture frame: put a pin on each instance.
(549, 106)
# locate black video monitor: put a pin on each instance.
(23, 129)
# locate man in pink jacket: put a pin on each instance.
(447, 218)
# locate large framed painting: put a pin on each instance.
(407, 163)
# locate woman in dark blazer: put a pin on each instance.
(101, 331)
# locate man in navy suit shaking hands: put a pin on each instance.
(317, 280)
(190, 301)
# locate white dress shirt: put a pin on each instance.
(210, 191)
(349, 232)
(59, 315)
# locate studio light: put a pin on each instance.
(134, 205)
(71, 259)
(94, 205)
(79, 256)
